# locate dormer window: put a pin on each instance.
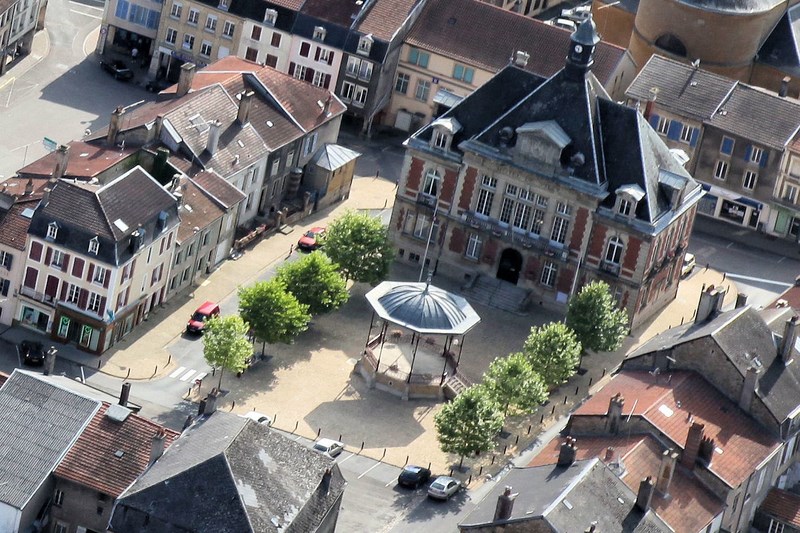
(624, 207)
(365, 44)
(52, 231)
(627, 199)
(319, 33)
(223, 5)
(443, 131)
(94, 246)
(270, 16)
(441, 139)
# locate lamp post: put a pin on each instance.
(50, 360)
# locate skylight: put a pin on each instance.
(666, 411)
(27, 212)
(121, 225)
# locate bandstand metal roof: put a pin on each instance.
(423, 308)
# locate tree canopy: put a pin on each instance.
(593, 316)
(513, 383)
(469, 423)
(553, 351)
(274, 314)
(360, 245)
(315, 281)
(225, 345)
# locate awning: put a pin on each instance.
(732, 196)
(446, 98)
(752, 203)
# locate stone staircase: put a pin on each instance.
(455, 385)
(498, 294)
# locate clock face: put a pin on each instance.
(578, 49)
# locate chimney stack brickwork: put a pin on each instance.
(185, 79)
(114, 125)
(692, 446)
(786, 350)
(665, 472)
(567, 452)
(709, 305)
(245, 103)
(748, 388)
(505, 505)
(645, 494)
(614, 416)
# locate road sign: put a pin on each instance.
(50, 144)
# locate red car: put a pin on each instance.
(312, 239)
(198, 320)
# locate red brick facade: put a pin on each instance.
(414, 178)
(468, 188)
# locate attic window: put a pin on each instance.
(199, 123)
(52, 231)
(666, 411)
(223, 5)
(118, 454)
(365, 44)
(319, 33)
(624, 207)
(120, 225)
(94, 245)
(270, 124)
(270, 16)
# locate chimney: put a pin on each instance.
(62, 158)
(645, 494)
(213, 136)
(692, 446)
(211, 401)
(610, 455)
(786, 350)
(567, 452)
(505, 505)
(114, 125)
(709, 305)
(667, 469)
(326, 109)
(651, 102)
(748, 388)
(185, 79)
(157, 448)
(784, 86)
(245, 103)
(741, 300)
(592, 527)
(325, 485)
(124, 394)
(521, 58)
(28, 187)
(614, 415)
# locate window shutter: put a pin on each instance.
(102, 306)
(674, 131)
(695, 135)
(747, 151)
(291, 69)
(327, 83)
(309, 75)
(8, 260)
(133, 267)
(65, 264)
(107, 278)
(36, 251)
(316, 53)
(330, 58)
(304, 48)
(48, 255)
(764, 159)
(30, 277)
(77, 267)
(83, 297)
(91, 272)
(5, 286)
(64, 287)
(51, 287)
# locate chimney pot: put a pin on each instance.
(214, 128)
(157, 449)
(748, 388)
(521, 58)
(567, 452)
(505, 505)
(784, 86)
(185, 79)
(709, 305)
(614, 416)
(245, 103)
(124, 394)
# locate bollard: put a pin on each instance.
(319, 430)
(129, 374)
(480, 471)
(565, 400)
(553, 410)
(577, 389)
(233, 404)
(98, 364)
(274, 418)
(516, 441)
(213, 371)
(590, 381)
(682, 320)
(407, 458)
(604, 373)
(541, 419)
(155, 371)
(382, 456)
(469, 480)
(295, 427)
(493, 456)
(429, 465)
(724, 274)
(529, 428)
(340, 437)
(169, 359)
(362, 448)
(451, 472)
(190, 392)
(505, 448)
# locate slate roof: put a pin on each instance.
(782, 48)
(38, 424)
(682, 89)
(197, 211)
(84, 162)
(273, 482)
(782, 505)
(94, 460)
(669, 403)
(740, 332)
(84, 211)
(460, 29)
(219, 189)
(13, 224)
(334, 156)
(568, 499)
(256, 9)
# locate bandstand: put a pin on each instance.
(416, 337)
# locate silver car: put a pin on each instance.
(444, 487)
(328, 447)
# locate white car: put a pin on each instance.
(258, 418)
(443, 487)
(328, 447)
(689, 262)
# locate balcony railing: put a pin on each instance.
(528, 241)
(426, 200)
(36, 295)
(611, 268)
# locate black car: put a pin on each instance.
(413, 476)
(32, 353)
(118, 69)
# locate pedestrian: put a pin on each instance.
(134, 52)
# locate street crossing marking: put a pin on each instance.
(176, 373)
(200, 376)
(188, 375)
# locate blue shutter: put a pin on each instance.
(468, 73)
(695, 135)
(654, 121)
(413, 56)
(674, 131)
(458, 72)
(747, 151)
(764, 159)
(727, 146)
(122, 9)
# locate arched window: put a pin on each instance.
(671, 44)
(614, 250)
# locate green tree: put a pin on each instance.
(315, 282)
(513, 382)
(595, 319)
(553, 351)
(360, 245)
(469, 423)
(225, 345)
(274, 314)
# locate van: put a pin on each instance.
(198, 320)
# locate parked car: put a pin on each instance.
(118, 69)
(156, 86)
(565, 24)
(328, 447)
(32, 353)
(198, 320)
(312, 239)
(443, 487)
(577, 14)
(689, 262)
(413, 476)
(258, 418)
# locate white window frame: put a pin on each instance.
(211, 24)
(360, 98)
(348, 90)
(549, 273)
(99, 275)
(319, 78)
(756, 154)
(228, 29)
(614, 250)
(560, 229)
(176, 10)
(474, 245)
(789, 193)
(625, 207)
(324, 55)
(319, 33)
(721, 170)
(270, 17)
(93, 302)
(300, 72)
(171, 36)
(364, 44)
(193, 17)
(663, 125)
(73, 294)
(686, 133)
(57, 259)
(188, 39)
(206, 48)
(309, 143)
(431, 183)
(365, 71)
(440, 139)
(775, 526)
(422, 226)
(423, 89)
(353, 64)
(749, 180)
(52, 231)
(403, 80)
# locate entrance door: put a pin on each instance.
(510, 265)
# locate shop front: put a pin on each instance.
(86, 332)
(731, 207)
(34, 317)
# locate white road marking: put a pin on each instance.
(760, 280)
(367, 471)
(200, 376)
(188, 375)
(98, 17)
(176, 373)
(81, 4)
(346, 458)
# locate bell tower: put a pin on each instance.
(580, 56)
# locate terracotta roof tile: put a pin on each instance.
(197, 211)
(385, 17)
(14, 226)
(587, 448)
(85, 161)
(460, 29)
(214, 185)
(92, 462)
(336, 11)
(783, 505)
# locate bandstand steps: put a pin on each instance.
(498, 294)
(454, 386)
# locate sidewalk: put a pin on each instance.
(40, 48)
(747, 237)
